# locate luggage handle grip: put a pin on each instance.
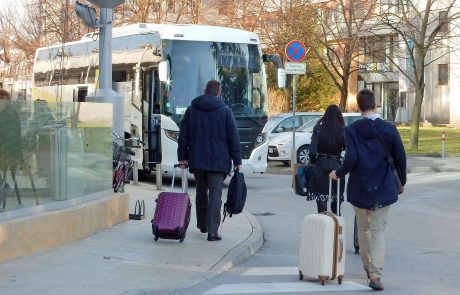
(184, 178)
(338, 195)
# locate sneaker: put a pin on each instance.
(376, 284)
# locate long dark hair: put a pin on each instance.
(330, 127)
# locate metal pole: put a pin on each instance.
(105, 49)
(293, 152)
(443, 143)
(159, 180)
(135, 173)
(104, 93)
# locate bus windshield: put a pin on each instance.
(193, 63)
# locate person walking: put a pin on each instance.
(372, 187)
(327, 144)
(208, 143)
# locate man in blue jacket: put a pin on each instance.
(208, 143)
(371, 186)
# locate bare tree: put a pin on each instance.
(133, 11)
(281, 22)
(20, 36)
(424, 30)
(159, 11)
(341, 26)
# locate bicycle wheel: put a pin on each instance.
(118, 175)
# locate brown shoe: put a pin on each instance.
(376, 284)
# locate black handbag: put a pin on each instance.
(394, 168)
(301, 177)
(236, 195)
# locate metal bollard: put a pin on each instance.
(135, 173)
(159, 180)
(443, 143)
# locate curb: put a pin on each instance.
(234, 256)
(287, 171)
(431, 169)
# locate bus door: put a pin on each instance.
(151, 119)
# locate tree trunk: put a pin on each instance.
(415, 124)
(419, 93)
(343, 98)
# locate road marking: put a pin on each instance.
(271, 271)
(265, 288)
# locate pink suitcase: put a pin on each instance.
(172, 213)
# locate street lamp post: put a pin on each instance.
(105, 93)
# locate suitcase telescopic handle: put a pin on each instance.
(338, 195)
(184, 178)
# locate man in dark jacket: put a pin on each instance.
(208, 143)
(371, 186)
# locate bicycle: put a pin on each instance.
(122, 163)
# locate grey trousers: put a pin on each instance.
(208, 200)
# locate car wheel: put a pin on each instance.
(302, 154)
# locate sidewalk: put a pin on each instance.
(126, 260)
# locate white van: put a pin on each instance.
(281, 123)
(279, 149)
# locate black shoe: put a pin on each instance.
(376, 284)
(203, 230)
(212, 238)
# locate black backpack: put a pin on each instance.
(236, 196)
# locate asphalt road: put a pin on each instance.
(422, 242)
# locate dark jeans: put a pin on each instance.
(322, 206)
(208, 199)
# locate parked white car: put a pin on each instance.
(279, 149)
(282, 123)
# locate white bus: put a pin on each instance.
(159, 70)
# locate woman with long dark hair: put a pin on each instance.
(327, 145)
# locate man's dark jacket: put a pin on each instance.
(208, 136)
(371, 182)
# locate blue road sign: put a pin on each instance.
(295, 51)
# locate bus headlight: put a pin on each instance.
(260, 139)
(171, 134)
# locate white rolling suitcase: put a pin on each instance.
(322, 242)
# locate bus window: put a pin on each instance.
(82, 92)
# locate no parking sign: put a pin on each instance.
(295, 51)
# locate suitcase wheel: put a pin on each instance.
(323, 279)
(156, 238)
(340, 279)
(181, 239)
(300, 275)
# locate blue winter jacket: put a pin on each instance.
(208, 137)
(371, 182)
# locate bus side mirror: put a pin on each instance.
(281, 78)
(163, 71)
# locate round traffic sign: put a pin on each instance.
(295, 51)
